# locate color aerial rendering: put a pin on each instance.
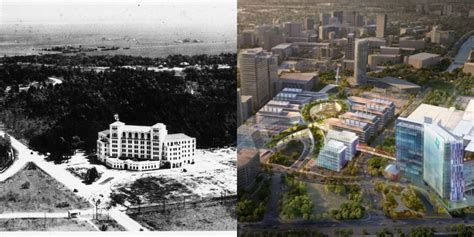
(355, 118)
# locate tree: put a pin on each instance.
(91, 175)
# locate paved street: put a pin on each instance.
(26, 155)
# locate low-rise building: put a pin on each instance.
(332, 156)
(362, 129)
(349, 139)
(283, 51)
(376, 60)
(382, 108)
(468, 68)
(410, 42)
(395, 84)
(305, 81)
(424, 60)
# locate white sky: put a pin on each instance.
(190, 13)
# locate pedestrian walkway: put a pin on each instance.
(26, 155)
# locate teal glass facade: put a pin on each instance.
(409, 148)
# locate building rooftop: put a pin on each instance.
(398, 83)
(308, 76)
(335, 145)
(136, 128)
(244, 155)
(282, 46)
(449, 118)
(343, 135)
(423, 56)
(177, 136)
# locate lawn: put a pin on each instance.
(288, 154)
(111, 224)
(207, 217)
(52, 224)
(323, 201)
(32, 190)
(155, 189)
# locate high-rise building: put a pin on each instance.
(248, 166)
(339, 15)
(443, 162)
(360, 21)
(292, 29)
(360, 64)
(132, 147)
(437, 144)
(309, 23)
(324, 19)
(350, 46)
(332, 156)
(381, 26)
(409, 152)
(258, 75)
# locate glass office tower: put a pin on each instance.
(443, 162)
(409, 148)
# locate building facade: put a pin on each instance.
(349, 139)
(132, 147)
(332, 156)
(258, 75)
(409, 148)
(443, 162)
(360, 64)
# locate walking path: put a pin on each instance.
(26, 155)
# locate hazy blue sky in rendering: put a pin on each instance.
(176, 13)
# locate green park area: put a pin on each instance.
(288, 154)
(317, 111)
(401, 202)
(251, 202)
(277, 137)
(376, 165)
(32, 190)
(296, 203)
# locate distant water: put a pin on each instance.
(27, 40)
(463, 54)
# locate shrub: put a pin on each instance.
(25, 185)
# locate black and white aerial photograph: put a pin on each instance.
(118, 116)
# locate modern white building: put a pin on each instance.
(132, 147)
(349, 139)
(332, 156)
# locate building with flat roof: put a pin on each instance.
(395, 84)
(283, 51)
(436, 141)
(376, 60)
(248, 166)
(443, 162)
(350, 46)
(360, 64)
(362, 129)
(305, 81)
(383, 108)
(424, 60)
(410, 42)
(468, 68)
(368, 118)
(258, 75)
(132, 147)
(349, 139)
(381, 31)
(332, 156)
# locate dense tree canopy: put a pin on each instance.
(57, 119)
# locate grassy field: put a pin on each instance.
(56, 224)
(111, 224)
(32, 190)
(323, 201)
(155, 189)
(203, 217)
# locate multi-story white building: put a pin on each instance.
(134, 147)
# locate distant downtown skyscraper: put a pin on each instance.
(258, 75)
(381, 26)
(360, 64)
(350, 46)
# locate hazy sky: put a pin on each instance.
(189, 13)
